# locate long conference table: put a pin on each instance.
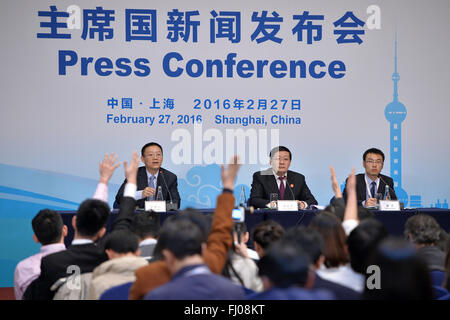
(394, 221)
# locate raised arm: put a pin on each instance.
(106, 168)
(128, 203)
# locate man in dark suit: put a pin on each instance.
(181, 241)
(288, 185)
(86, 251)
(151, 176)
(372, 182)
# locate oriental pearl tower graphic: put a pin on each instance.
(395, 113)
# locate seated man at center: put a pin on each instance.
(278, 179)
(151, 176)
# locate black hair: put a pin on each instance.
(181, 236)
(309, 240)
(202, 221)
(149, 145)
(267, 232)
(336, 210)
(285, 264)
(364, 213)
(373, 150)
(121, 241)
(92, 215)
(403, 274)
(47, 226)
(146, 224)
(362, 241)
(278, 149)
(423, 229)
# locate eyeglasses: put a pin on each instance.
(370, 161)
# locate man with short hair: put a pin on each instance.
(151, 176)
(371, 182)
(191, 277)
(145, 225)
(278, 179)
(123, 252)
(50, 231)
(90, 226)
(286, 275)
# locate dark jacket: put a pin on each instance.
(201, 286)
(264, 184)
(361, 188)
(142, 183)
(86, 257)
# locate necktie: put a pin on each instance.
(281, 187)
(372, 188)
(151, 184)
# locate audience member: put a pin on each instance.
(310, 241)
(446, 283)
(442, 241)
(423, 231)
(191, 277)
(336, 266)
(285, 274)
(145, 225)
(49, 231)
(90, 226)
(403, 274)
(239, 267)
(362, 242)
(264, 234)
(217, 246)
(123, 251)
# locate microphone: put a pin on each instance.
(171, 205)
(390, 188)
(292, 192)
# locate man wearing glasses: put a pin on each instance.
(151, 176)
(371, 183)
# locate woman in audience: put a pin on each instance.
(239, 267)
(264, 234)
(336, 267)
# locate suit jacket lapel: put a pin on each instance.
(271, 182)
(362, 187)
(287, 190)
(142, 179)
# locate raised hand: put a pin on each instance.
(351, 209)
(107, 167)
(335, 184)
(132, 169)
(229, 174)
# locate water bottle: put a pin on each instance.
(387, 195)
(159, 195)
(242, 199)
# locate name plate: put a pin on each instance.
(389, 205)
(157, 206)
(287, 205)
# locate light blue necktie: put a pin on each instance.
(151, 184)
